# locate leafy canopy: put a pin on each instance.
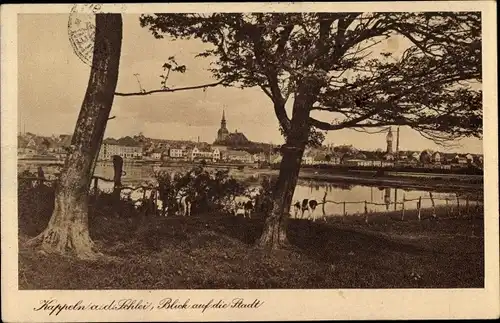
(433, 85)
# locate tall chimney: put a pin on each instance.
(397, 143)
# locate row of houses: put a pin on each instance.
(212, 154)
(140, 147)
(30, 145)
(128, 148)
(56, 147)
(426, 158)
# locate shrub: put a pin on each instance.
(35, 206)
(209, 189)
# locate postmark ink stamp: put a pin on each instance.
(81, 30)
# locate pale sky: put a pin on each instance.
(53, 80)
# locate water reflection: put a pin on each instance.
(386, 198)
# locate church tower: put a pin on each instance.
(223, 132)
(389, 141)
(223, 121)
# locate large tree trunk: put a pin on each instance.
(67, 231)
(274, 234)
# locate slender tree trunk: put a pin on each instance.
(275, 228)
(67, 231)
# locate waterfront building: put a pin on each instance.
(176, 153)
(260, 157)
(157, 154)
(470, 158)
(201, 153)
(216, 154)
(23, 148)
(460, 160)
(436, 157)
(358, 162)
(275, 158)
(307, 159)
(237, 156)
(127, 148)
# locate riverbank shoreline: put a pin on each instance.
(419, 181)
(436, 185)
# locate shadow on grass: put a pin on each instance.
(211, 251)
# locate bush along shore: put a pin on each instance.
(212, 250)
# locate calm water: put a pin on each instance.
(313, 190)
(384, 196)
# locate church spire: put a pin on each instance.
(223, 120)
(223, 132)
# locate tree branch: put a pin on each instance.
(279, 110)
(346, 124)
(266, 91)
(170, 90)
(416, 42)
(285, 35)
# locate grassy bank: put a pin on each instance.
(217, 252)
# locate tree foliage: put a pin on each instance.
(429, 86)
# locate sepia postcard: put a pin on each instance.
(263, 161)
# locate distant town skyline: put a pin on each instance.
(52, 82)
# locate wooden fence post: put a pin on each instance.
(419, 204)
(447, 208)
(117, 182)
(403, 210)
(151, 203)
(155, 210)
(96, 184)
(477, 208)
(458, 207)
(467, 206)
(366, 212)
(41, 175)
(323, 206)
(96, 187)
(433, 205)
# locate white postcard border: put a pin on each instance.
(345, 304)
